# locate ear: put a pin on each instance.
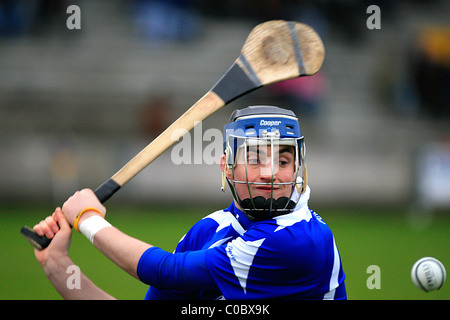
(223, 162)
(223, 165)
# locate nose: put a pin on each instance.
(267, 170)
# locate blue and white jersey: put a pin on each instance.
(225, 255)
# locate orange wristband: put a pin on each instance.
(77, 218)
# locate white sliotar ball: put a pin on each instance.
(428, 274)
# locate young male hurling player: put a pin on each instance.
(267, 244)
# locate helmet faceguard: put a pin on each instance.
(260, 134)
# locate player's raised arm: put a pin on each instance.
(58, 266)
(85, 213)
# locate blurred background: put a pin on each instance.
(76, 105)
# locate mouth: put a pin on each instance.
(267, 189)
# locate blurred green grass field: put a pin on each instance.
(382, 237)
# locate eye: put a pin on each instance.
(285, 161)
(252, 158)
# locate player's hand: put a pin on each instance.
(81, 200)
(57, 228)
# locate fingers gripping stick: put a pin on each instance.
(274, 51)
(103, 193)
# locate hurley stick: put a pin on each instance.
(274, 51)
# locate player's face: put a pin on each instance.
(261, 169)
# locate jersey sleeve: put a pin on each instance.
(175, 271)
(197, 238)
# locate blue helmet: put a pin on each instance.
(268, 126)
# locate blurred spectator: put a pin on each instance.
(12, 18)
(166, 20)
(312, 14)
(155, 115)
(431, 71)
(303, 95)
(50, 15)
(64, 169)
(37, 17)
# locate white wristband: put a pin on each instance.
(92, 225)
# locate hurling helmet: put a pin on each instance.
(264, 127)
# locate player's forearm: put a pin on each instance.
(70, 282)
(123, 250)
